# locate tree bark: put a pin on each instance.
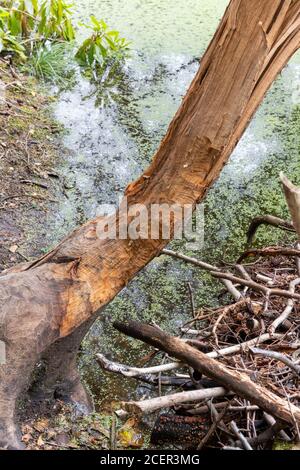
(50, 298)
(177, 429)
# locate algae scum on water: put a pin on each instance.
(112, 133)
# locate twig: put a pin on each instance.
(272, 251)
(240, 436)
(231, 448)
(153, 404)
(258, 287)
(288, 310)
(213, 428)
(203, 409)
(278, 356)
(243, 346)
(36, 183)
(135, 372)
(207, 267)
(267, 220)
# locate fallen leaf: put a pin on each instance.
(129, 435)
(41, 425)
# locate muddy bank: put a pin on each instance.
(30, 187)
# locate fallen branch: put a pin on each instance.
(272, 251)
(267, 220)
(171, 428)
(207, 267)
(240, 436)
(233, 380)
(153, 404)
(203, 409)
(288, 310)
(258, 287)
(139, 374)
(278, 357)
(238, 348)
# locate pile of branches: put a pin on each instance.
(237, 366)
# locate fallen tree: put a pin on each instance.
(48, 305)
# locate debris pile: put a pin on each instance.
(230, 378)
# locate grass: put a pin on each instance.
(53, 63)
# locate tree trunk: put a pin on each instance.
(50, 298)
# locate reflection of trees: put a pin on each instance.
(115, 87)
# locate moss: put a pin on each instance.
(282, 445)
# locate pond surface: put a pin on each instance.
(113, 131)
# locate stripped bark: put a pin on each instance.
(49, 299)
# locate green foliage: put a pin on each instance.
(52, 62)
(38, 30)
(56, 20)
(38, 20)
(102, 47)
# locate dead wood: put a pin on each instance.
(171, 428)
(278, 357)
(270, 251)
(233, 380)
(267, 220)
(167, 401)
(258, 287)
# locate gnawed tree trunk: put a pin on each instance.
(58, 295)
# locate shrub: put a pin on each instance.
(38, 29)
(102, 47)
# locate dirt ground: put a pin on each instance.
(29, 150)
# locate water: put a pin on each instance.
(108, 146)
